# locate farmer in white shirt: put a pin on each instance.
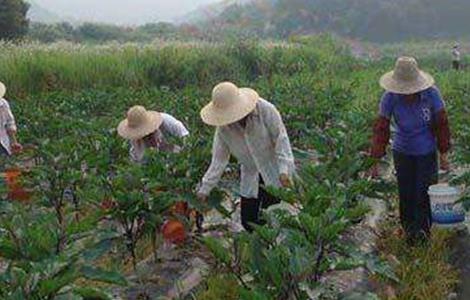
(252, 130)
(8, 142)
(150, 129)
(456, 57)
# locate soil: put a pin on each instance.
(163, 278)
(460, 258)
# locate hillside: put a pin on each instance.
(210, 11)
(37, 13)
(373, 20)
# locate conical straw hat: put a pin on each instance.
(139, 123)
(407, 78)
(229, 104)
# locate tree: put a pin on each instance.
(48, 33)
(101, 32)
(13, 19)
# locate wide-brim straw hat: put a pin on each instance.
(139, 123)
(3, 90)
(229, 104)
(407, 78)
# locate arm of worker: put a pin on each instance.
(282, 144)
(220, 160)
(137, 151)
(441, 128)
(381, 128)
(174, 126)
(10, 126)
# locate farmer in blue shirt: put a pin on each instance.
(422, 130)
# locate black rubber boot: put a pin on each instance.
(267, 200)
(250, 211)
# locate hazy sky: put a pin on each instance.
(123, 11)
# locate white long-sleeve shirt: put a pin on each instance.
(456, 54)
(7, 122)
(262, 148)
(170, 126)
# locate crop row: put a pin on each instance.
(328, 101)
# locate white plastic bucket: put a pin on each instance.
(445, 211)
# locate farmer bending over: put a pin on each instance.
(149, 129)
(8, 142)
(422, 129)
(251, 129)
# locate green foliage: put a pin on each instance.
(69, 100)
(371, 20)
(48, 33)
(220, 287)
(36, 69)
(35, 270)
(13, 20)
(98, 33)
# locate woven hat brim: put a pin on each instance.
(423, 82)
(153, 122)
(3, 90)
(246, 103)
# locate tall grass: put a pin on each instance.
(34, 68)
(424, 272)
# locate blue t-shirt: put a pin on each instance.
(413, 120)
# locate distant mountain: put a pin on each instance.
(372, 20)
(209, 11)
(37, 13)
(122, 12)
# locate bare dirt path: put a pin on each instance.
(460, 258)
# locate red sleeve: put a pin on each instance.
(442, 132)
(381, 137)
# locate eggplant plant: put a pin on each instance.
(34, 270)
(131, 204)
(56, 180)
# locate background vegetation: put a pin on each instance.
(367, 20)
(13, 20)
(68, 99)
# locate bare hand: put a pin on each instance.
(16, 148)
(374, 172)
(285, 181)
(444, 163)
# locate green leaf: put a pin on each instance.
(217, 249)
(92, 293)
(98, 250)
(97, 274)
(253, 295)
(382, 268)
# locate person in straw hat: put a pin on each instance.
(252, 130)
(8, 142)
(149, 129)
(422, 130)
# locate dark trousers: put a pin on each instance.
(251, 207)
(3, 156)
(415, 175)
(3, 151)
(456, 65)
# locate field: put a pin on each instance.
(68, 99)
